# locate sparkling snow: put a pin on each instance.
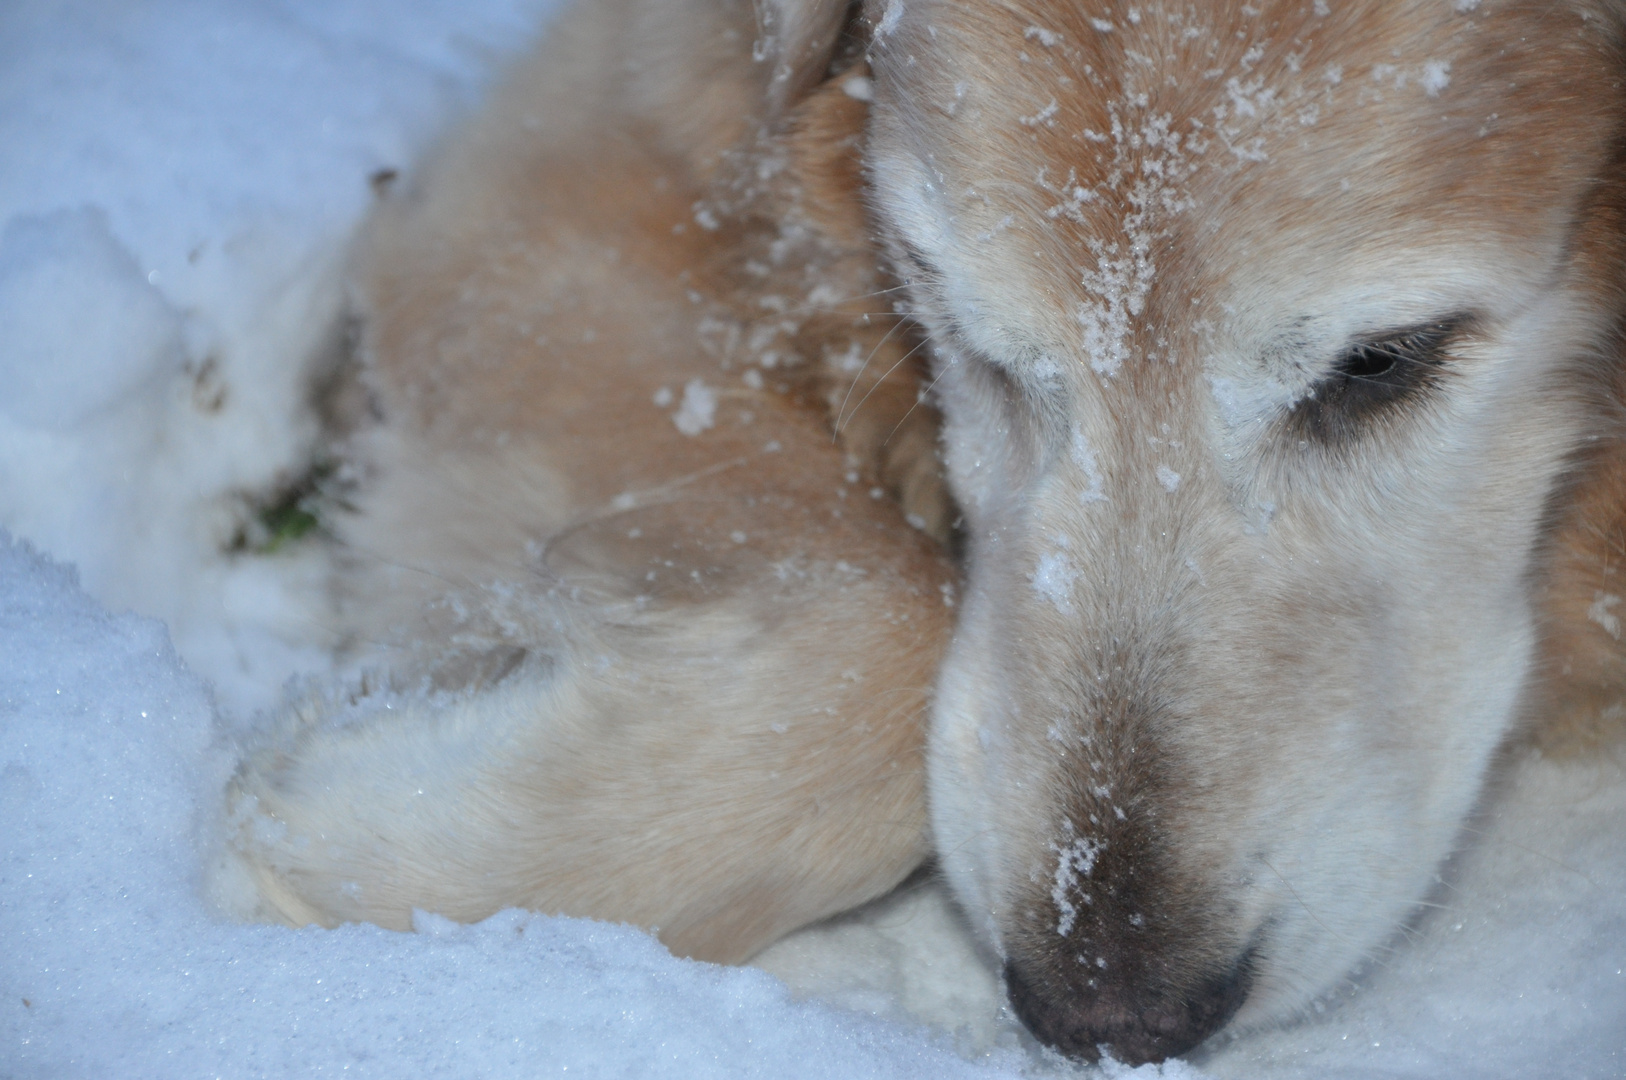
(1073, 864)
(1053, 578)
(179, 183)
(697, 411)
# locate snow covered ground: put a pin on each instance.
(177, 185)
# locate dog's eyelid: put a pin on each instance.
(1430, 337)
(917, 260)
(1376, 376)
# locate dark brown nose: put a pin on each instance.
(1135, 1023)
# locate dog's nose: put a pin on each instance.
(1135, 1023)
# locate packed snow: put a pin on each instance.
(180, 182)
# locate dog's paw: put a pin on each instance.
(887, 427)
(911, 466)
(246, 878)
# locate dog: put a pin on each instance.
(1279, 350)
(632, 634)
(1277, 347)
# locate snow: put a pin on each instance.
(858, 87)
(1083, 456)
(85, 328)
(1053, 578)
(1436, 76)
(1149, 164)
(697, 411)
(1043, 116)
(1073, 864)
(180, 181)
(1598, 611)
(890, 18)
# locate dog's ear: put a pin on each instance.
(797, 38)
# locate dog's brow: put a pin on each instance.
(1446, 328)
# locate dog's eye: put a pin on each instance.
(1372, 379)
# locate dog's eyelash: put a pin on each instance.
(1374, 377)
(914, 260)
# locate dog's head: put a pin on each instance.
(1264, 332)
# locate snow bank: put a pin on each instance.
(179, 184)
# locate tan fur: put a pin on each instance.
(611, 668)
(1578, 700)
(1242, 631)
(1234, 655)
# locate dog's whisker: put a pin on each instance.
(920, 396)
(877, 383)
(836, 433)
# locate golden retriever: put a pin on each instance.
(1278, 350)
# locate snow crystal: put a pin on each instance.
(1043, 116)
(1053, 579)
(889, 18)
(859, 87)
(664, 397)
(1047, 38)
(1073, 864)
(1148, 166)
(1084, 457)
(698, 410)
(1436, 76)
(1248, 98)
(1599, 612)
(1168, 478)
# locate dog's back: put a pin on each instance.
(653, 647)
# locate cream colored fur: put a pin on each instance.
(634, 638)
(1238, 644)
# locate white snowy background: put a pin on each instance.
(178, 183)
